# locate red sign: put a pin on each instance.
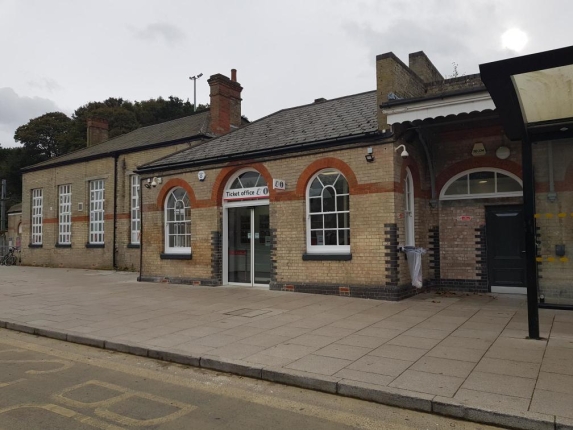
(237, 252)
(464, 218)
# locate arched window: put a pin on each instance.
(177, 222)
(482, 184)
(250, 179)
(328, 209)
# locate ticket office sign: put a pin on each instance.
(246, 194)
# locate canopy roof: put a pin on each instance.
(533, 93)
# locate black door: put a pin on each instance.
(505, 246)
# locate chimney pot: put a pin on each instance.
(234, 75)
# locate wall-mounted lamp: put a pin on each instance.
(369, 155)
(153, 182)
(404, 153)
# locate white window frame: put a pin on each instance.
(409, 210)
(176, 249)
(65, 214)
(324, 249)
(135, 225)
(37, 216)
(495, 194)
(97, 212)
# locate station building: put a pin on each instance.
(326, 197)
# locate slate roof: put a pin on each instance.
(177, 129)
(344, 117)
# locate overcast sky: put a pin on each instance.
(58, 55)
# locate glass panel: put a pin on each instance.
(263, 242)
(328, 203)
(316, 221)
(249, 179)
(239, 239)
(344, 237)
(459, 186)
(341, 185)
(236, 184)
(329, 177)
(315, 188)
(482, 183)
(315, 205)
(344, 220)
(330, 237)
(330, 221)
(505, 184)
(342, 203)
(317, 237)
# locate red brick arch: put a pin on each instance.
(227, 172)
(326, 163)
(174, 183)
(476, 163)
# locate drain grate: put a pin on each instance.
(248, 313)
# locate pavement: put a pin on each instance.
(460, 355)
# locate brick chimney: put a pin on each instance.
(97, 131)
(225, 107)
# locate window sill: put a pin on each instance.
(164, 256)
(134, 245)
(95, 245)
(326, 257)
(35, 245)
(63, 245)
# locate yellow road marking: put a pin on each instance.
(337, 416)
(67, 413)
(126, 393)
(65, 365)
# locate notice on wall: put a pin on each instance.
(464, 218)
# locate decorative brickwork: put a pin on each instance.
(481, 256)
(273, 234)
(377, 293)
(216, 257)
(434, 250)
(391, 254)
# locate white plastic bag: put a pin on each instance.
(414, 256)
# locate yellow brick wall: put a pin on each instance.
(78, 175)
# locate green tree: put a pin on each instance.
(47, 136)
(11, 161)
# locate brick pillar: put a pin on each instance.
(97, 131)
(225, 107)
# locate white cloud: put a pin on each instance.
(47, 84)
(169, 33)
(17, 110)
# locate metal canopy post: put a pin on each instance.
(530, 236)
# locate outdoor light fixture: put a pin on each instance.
(404, 153)
(153, 182)
(194, 79)
(369, 156)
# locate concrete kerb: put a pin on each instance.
(384, 395)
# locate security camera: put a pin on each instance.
(404, 153)
(154, 183)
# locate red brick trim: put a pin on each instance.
(476, 163)
(123, 216)
(326, 163)
(227, 172)
(560, 186)
(173, 183)
(80, 218)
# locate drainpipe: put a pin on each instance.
(552, 195)
(140, 229)
(433, 199)
(115, 192)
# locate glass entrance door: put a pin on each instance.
(249, 245)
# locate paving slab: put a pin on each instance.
(462, 355)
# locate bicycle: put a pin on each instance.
(10, 258)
